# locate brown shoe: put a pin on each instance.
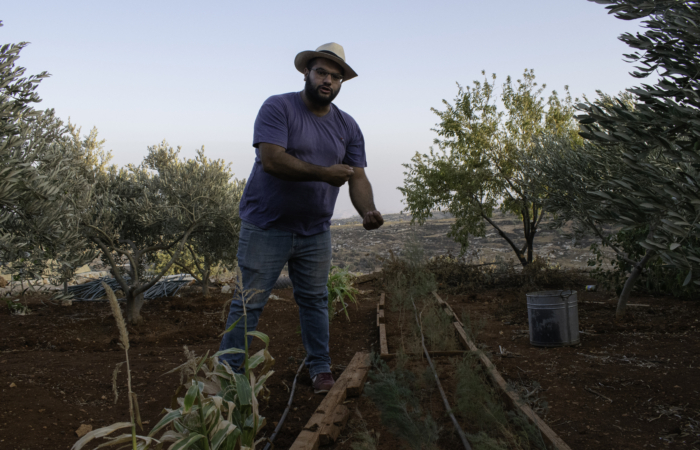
(323, 382)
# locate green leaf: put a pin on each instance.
(169, 417)
(674, 246)
(186, 442)
(262, 336)
(228, 351)
(688, 277)
(190, 397)
(243, 390)
(233, 325)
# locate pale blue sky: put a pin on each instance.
(196, 73)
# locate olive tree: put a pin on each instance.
(157, 206)
(40, 191)
(477, 168)
(656, 139)
(216, 243)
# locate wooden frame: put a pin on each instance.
(552, 440)
(326, 423)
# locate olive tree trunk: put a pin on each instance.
(629, 284)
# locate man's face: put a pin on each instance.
(322, 90)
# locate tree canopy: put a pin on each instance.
(477, 168)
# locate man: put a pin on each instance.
(306, 149)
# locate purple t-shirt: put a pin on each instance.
(303, 207)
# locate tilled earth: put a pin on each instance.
(630, 384)
(56, 364)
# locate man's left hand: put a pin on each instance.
(373, 220)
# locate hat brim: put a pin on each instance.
(304, 57)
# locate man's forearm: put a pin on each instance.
(286, 167)
(361, 196)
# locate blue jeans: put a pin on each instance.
(262, 255)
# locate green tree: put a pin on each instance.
(656, 138)
(216, 243)
(139, 211)
(40, 193)
(478, 168)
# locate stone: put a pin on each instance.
(83, 430)
(226, 289)
(66, 302)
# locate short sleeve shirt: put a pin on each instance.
(303, 207)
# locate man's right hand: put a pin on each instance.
(338, 174)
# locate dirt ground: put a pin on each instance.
(56, 364)
(630, 384)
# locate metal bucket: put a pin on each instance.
(553, 318)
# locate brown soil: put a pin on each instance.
(56, 364)
(630, 384)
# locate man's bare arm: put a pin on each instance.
(363, 200)
(277, 162)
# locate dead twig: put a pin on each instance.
(598, 394)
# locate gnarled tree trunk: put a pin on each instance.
(629, 284)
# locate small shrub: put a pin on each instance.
(393, 393)
(478, 404)
(18, 309)
(340, 291)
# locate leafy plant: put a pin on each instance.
(219, 410)
(340, 289)
(478, 404)
(159, 206)
(18, 309)
(394, 394)
(477, 169)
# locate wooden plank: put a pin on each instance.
(331, 430)
(331, 415)
(383, 346)
(358, 376)
(306, 440)
(382, 298)
(552, 440)
(390, 356)
(380, 316)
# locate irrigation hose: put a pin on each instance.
(461, 434)
(286, 410)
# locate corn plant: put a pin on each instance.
(219, 410)
(339, 289)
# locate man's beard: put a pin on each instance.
(316, 97)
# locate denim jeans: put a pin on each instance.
(261, 256)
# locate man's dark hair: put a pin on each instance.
(312, 61)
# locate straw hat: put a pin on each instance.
(331, 51)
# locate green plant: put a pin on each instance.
(394, 394)
(18, 309)
(478, 404)
(477, 168)
(340, 289)
(219, 410)
(657, 277)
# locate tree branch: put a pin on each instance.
(518, 253)
(122, 282)
(157, 278)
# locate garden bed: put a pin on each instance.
(630, 384)
(56, 364)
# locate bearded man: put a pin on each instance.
(306, 148)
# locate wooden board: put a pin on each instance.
(331, 415)
(390, 356)
(552, 440)
(383, 346)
